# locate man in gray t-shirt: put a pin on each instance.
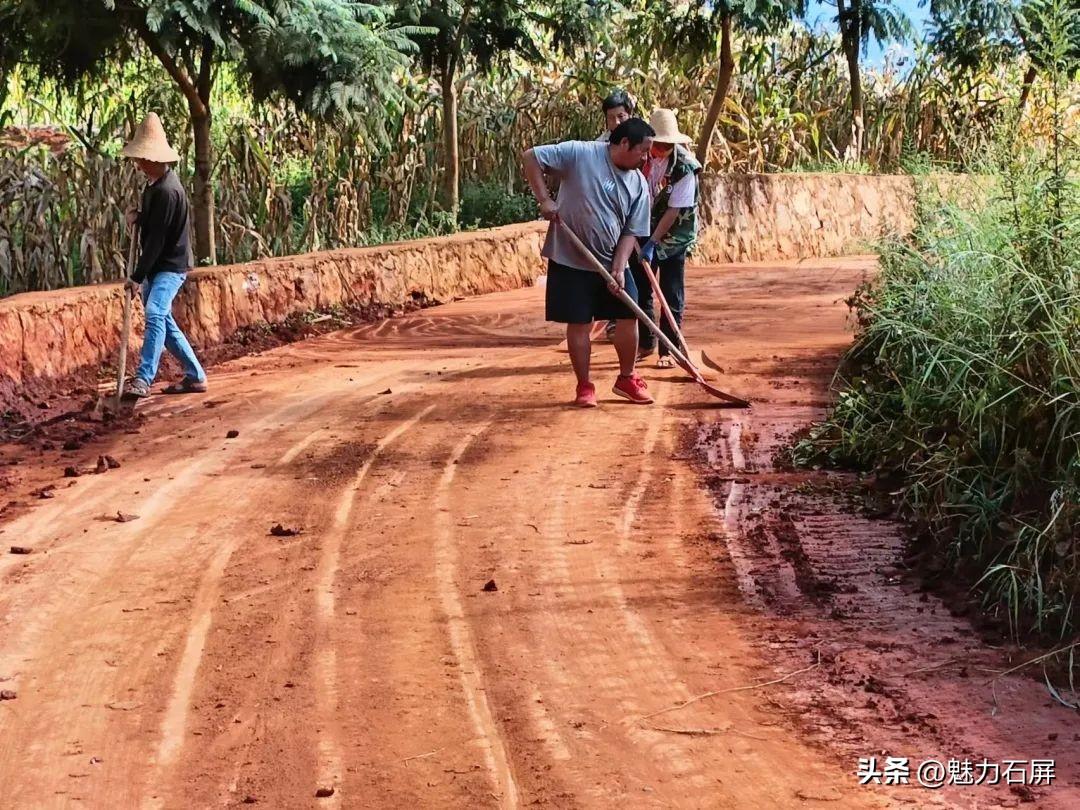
(604, 199)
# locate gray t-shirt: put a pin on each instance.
(597, 200)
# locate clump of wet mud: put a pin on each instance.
(337, 461)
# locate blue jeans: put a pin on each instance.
(162, 331)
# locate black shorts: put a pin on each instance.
(582, 296)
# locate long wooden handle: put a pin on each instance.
(623, 296)
(654, 281)
(125, 330)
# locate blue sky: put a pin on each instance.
(821, 13)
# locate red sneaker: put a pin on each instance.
(586, 395)
(633, 389)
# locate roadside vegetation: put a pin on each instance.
(962, 390)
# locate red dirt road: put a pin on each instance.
(189, 659)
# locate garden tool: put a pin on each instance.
(622, 295)
(654, 282)
(125, 334)
(114, 403)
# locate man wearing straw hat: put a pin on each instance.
(164, 259)
(671, 172)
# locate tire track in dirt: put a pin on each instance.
(207, 598)
(330, 758)
(542, 743)
(604, 657)
(650, 675)
(559, 633)
(462, 642)
(637, 492)
(750, 584)
(117, 562)
(155, 511)
(247, 719)
(368, 661)
(248, 712)
(328, 634)
(175, 719)
(581, 571)
(377, 529)
(631, 670)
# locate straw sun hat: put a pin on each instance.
(667, 128)
(150, 142)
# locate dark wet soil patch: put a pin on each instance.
(900, 667)
(336, 462)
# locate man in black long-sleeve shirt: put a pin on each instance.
(164, 260)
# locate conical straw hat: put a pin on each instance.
(150, 142)
(667, 128)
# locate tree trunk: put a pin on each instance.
(452, 169)
(205, 250)
(850, 39)
(1029, 79)
(196, 91)
(716, 106)
(856, 102)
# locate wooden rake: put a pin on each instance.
(675, 351)
(654, 282)
(125, 330)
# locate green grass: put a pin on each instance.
(964, 383)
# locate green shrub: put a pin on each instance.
(964, 379)
(488, 205)
(964, 383)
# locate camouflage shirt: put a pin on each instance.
(683, 233)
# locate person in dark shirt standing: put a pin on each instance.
(164, 259)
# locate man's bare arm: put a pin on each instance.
(623, 249)
(534, 174)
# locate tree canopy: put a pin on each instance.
(332, 58)
(488, 31)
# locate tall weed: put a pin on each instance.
(964, 378)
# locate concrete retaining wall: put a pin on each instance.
(757, 217)
(51, 334)
(791, 216)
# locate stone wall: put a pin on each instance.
(744, 218)
(792, 216)
(51, 334)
